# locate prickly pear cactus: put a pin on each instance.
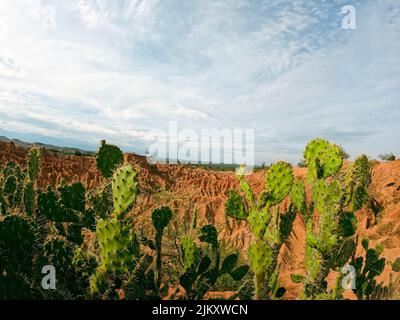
(119, 247)
(322, 158)
(10, 190)
(298, 197)
(190, 252)
(124, 189)
(102, 201)
(330, 239)
(260, 256)
(200, 271)
(72, 196)
(279, 181)
(367, 269)
(209, 234)
(160, 218)
(29, 198)
(33, 162)
(108, 158)
(48, 205)
(59, 253)
(269, 226)
(17, 238)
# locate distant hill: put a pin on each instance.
(62, 150)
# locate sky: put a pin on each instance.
(78, 71)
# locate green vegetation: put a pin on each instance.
(387, 157)
(100, 250)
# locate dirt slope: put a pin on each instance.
(183, 188)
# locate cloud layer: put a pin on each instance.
(83, 70)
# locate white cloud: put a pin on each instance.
(93, 12)
(285, 68)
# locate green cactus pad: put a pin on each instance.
(239, 273)
(286, 225)
(344, 253)
(362, 171)
(260, 256)
(108, 158)
(73, 196)
(235, 207)
(298, 196)
(161, 217)
(102, 201)
(322, 158)
(59, 253)
(347, 224)
(119, 248)
(278, 182)
(74, 234)
(209, 234)
(16, 243)
(98, 283)
(247, 190)
(33, 162)
(229, 263)
(10, 189)
(124, 189)
(29, 198)
(259, 221)
(204, 264)
(190, 252)
(327, 196)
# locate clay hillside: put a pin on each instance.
(185, 188)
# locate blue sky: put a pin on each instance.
(116, 69)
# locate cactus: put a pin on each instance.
(330, 241)
(124, 189)
(17, 239)
(59, 253)
(108, 158)
(119, 248)
(56, 207)
(322, 159)
(3, 204)
(14, 286)
(200, 271)
(367, 269)
(102, 201)
(269, 226)
(33, 163)
(29, 198)
(10, 190)
(13, 185)
(161, 218)
(190, 252)
(72, 197)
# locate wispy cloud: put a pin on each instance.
(115, 69)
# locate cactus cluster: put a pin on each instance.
(201, 268)
(53, 227)
(269, 225)
(118, 243)
(336, 192)
(367, 269)
(12, 186)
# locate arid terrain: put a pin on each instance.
(185, 188)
